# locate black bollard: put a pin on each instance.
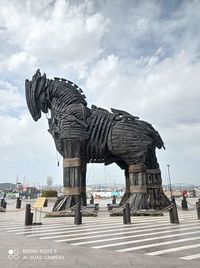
(124, 216)
(31, 219)
(78, 214)
(173, 199)
(18, 202)
(92, 199)
(114, 200)
(173, 214)
(28, 215)
(194, 193)
(184, 203)
(4, 204)
(198, 209)
(46, 203)
(128, 213)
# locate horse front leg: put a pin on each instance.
(74, 188)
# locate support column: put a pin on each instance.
(138, 187)
(157, 199)
(73, 183)
(137, 177)
(146, 188)
(72, 178)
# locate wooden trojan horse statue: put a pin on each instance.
(93, 135)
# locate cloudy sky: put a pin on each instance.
(138, 56)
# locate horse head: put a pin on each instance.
(43, 94)
(36, 94)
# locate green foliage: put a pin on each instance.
(49, 193)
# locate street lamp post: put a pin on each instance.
(170, 184)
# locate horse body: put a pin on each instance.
(98, 136)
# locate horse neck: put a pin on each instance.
(62, 94)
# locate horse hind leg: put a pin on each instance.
(146, 188)
(158, 199)
(139, 196)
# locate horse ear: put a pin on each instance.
(40, 86)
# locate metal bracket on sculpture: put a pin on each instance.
(138, 189)
(154, 186)
(71, 162)
(136, 168)
(153, 171)
(71, 190)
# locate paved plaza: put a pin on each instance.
(101, 241)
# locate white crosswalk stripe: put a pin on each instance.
(191, 257)
(146, 239)
(130, 236)
(159, 252)
(146, 235)
(102, 229)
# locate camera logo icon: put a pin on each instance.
(13, 254)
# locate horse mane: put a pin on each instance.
(67, 91)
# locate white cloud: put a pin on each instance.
(27, 149)
(142, 57)
(164, 92)
(19, 63)
(11, 100)
(104, 78)
(19, 133)
(170, 86)
(59, 31)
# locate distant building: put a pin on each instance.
(8, 186)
